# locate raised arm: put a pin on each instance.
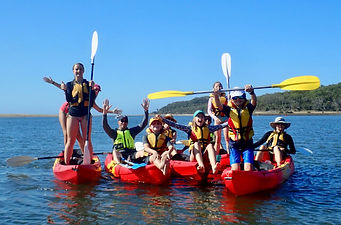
(51, 81)
(217, 127)
(110, 132)
(187, 129)
(251, 91)
(100, 110)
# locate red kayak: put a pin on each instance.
(77, 174)
(185, 169)
(247, 182)
(148, 174)
(188, 170)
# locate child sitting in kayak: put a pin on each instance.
(276, 142)
(171, 133)
(199, 134)
(158, 145)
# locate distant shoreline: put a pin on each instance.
(302, 113)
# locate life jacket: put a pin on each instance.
(124, 140)
(77, 94)
(169, 133)
(276, 139)
(201, 135)
(240, 123)
(157, 142)
(223, 101)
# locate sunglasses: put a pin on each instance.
(238, 97)
(124, 121)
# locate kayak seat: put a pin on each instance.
(262, 166)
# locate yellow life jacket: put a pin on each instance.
(78, 93)
(202, 135)
(157, 142)
(240, 123)
(169, 133)
(276, 139)
(223, 101)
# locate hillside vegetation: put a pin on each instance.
(325, 98)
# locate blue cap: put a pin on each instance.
(198, 112)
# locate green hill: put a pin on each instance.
(325, 98)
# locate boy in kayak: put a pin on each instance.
(158, 145)
(276, 142)
(239, 112)
(200, 140)
(123, 137)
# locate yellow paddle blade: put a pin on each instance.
(168, 94)
(301, 83)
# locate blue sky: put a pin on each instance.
(149, 46)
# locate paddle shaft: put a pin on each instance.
(90, 95)
(54, 157)
(231, 89)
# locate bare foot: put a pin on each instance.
(201, 168)
(214, 168)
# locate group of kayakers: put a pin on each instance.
(231, 113)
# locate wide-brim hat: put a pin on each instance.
(170, 117)
(280, 120)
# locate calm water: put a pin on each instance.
(31, 195)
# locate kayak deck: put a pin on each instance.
(148, 174)
(77, 174)
(241, 182)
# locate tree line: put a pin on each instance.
(325, 98)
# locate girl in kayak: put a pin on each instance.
(199, 134)
(64, 110)
(158, 145)
(218, 116)
(276, 142)
(239, 112)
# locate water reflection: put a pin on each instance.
(72, 204)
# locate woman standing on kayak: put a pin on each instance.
(77, 94)
(64, 110)
(239, 111)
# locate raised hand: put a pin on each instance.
(145, 104)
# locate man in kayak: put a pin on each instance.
(123, 137)
(239, 112)
(276, 142)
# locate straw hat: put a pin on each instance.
(170, 117)
(279, 120)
